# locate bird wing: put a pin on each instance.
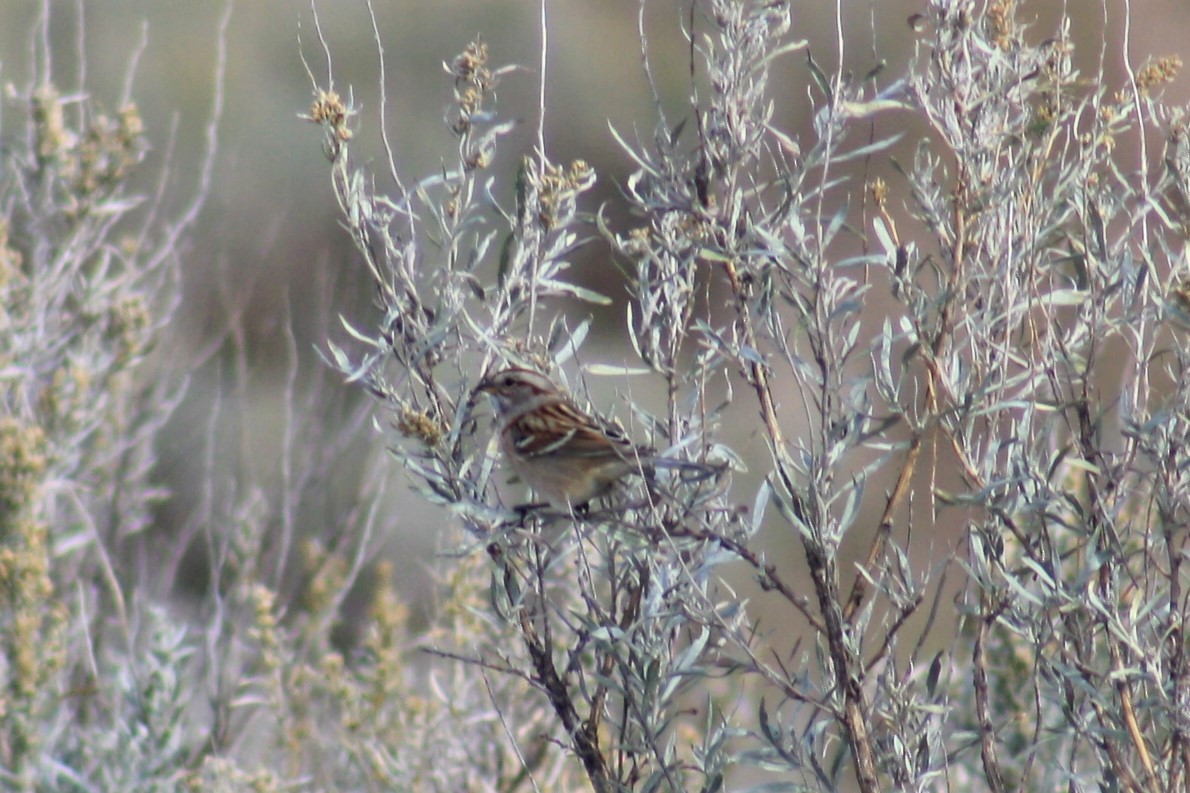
(539, 436)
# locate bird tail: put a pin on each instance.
(689, 470)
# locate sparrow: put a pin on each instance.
(562, 453)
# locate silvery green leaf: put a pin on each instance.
(582, 293)
(611, 370)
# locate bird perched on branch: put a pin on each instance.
(565, 455)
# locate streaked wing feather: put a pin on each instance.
(542, 444)
(535, 434)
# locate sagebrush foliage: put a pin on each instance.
(982, 354)
(1019, 262)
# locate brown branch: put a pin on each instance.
(859, 589)
(584, 741)
(822, 569)
(767, 575)
(979, 668)
(584, 738)
(1127, 710)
